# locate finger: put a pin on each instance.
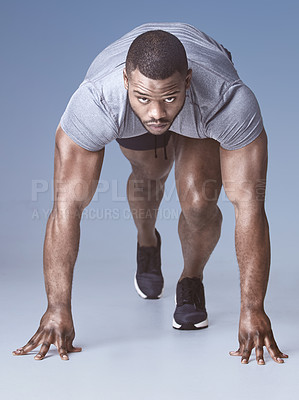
(70, 347)
(43, 351)
(273, 350)
(73, 349)
(246, 353)
(62, 348)
(259, 353)
(63, 354)
(235, 353)
(282, 355)
(30, 345)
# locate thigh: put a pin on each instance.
(197, 171)
(146, 166)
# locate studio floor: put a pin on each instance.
(130, 350)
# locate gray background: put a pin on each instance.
(130, 350)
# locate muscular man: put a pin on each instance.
(168, 94)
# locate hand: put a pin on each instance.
(56, 327)
(255, 332)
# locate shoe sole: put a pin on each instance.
(190, 326)
(143, 295)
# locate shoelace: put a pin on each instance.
(190, 295)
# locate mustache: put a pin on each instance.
(159, 121)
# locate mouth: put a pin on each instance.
(158, 128)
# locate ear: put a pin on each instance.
(188, 78)
(126, 80)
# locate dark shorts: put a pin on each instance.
(147, 141)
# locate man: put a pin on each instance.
(173, 97)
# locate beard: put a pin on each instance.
(160, 121)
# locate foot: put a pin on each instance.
(190, 312)
(149, 279)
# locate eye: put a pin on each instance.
(170, 100)
(143, 100)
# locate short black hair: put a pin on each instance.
(157, 54)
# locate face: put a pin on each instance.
(156, 102)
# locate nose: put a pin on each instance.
(157, 111)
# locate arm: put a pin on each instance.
(244, 178)
(76, 174)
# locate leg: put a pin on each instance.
(244, 180)
(145, 191)
(145, 188)
(198, 180)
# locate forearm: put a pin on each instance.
(244, 180)
(60, 253)
(76, 174)
(253, 254)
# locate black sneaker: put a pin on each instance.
(190, 312)
(149, 279)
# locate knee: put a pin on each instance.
(140, 186)
(249, 212)
(67, 210)
(247, 196)
(248, 204)
(202, 212)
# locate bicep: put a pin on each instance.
(244, 171)
(76, 170)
